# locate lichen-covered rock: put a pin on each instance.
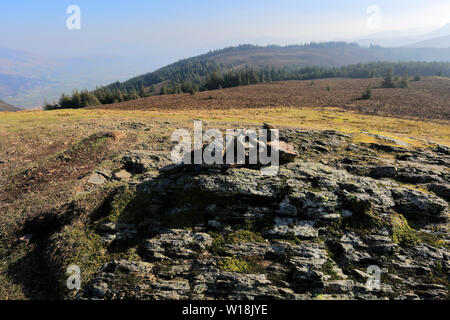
(175, 244)
(112, 231)
(307, 261)
(442, 190)
(121, 279)
(248, 249)
(141, 161)
(97, 179)
(286, 151)
(286, 208)
(383, 172)
(241, 181)
(411, 202)
(288, 227)
(316, 230)
(354, 250)
(170, 289)
(213, 283)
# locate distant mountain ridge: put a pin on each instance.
(442, 31)
(7, 107)
(26, 77)
(409, 39)
(13, 84)
(17, 62)
(440, 42)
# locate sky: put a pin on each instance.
(172, 29)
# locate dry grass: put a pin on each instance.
(61, 128)
(30, 138)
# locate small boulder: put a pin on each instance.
(287, 151)
(97, 179)
(269, 126)
(122, 175)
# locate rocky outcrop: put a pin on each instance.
(411, 202)
(141, 161)
(326, 226)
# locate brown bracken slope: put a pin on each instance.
(428, 98)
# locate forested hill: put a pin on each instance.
(248, 64)
(330, 54)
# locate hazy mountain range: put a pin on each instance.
(27, 80)
(416, 38)
(7, 107)
(441, 42)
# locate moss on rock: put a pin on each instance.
(241, 265)
(406, 236)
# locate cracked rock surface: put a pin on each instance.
(315, 230)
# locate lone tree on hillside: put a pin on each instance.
(418, 77)
(387, 82)
(367, 94)
(404, 83)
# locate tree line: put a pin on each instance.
(193, 75)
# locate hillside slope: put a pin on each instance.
(423, 99)
(30, 79)
(248, 64)
(11, 85)
(332, 54)
(7, 107)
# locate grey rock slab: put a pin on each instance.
(97, 179)
(176, 243)
(412, 202)
(289, 226)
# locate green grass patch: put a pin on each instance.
(406, 236)
(82, 247)
(129, 206)
(236, 237)
(327, 268)
(91, 143)
(241, 265)
(241, 236)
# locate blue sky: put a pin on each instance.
(171, 29)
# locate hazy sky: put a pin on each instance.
(171, 29)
